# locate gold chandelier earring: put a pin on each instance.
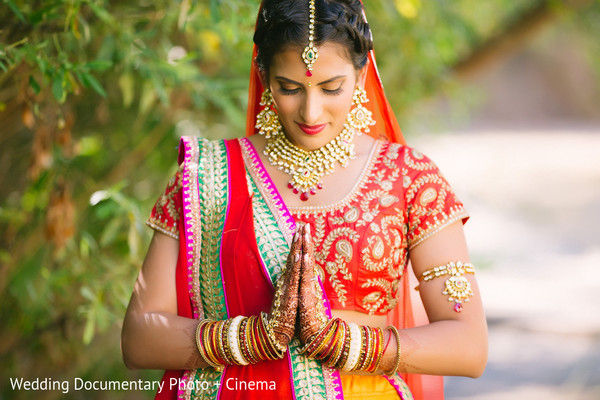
(359, 118)
(267, 121)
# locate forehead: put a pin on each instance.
(333, 60)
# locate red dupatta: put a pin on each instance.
(242, 274)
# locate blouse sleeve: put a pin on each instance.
(431, 203)
(167, 211)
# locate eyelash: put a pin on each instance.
(290, 92)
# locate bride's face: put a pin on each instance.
(313, 109)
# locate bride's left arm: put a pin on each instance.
(453, 343)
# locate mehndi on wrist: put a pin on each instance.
(236, 341)
(457, 288)
(347, 346)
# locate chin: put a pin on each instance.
(311, 142)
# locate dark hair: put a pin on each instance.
(284, 23)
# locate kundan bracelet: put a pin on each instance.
(458, 288)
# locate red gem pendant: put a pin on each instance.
(304, 196)
(308, 73)
(458, 307)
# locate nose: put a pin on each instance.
(311, 107)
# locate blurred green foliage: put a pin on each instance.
(93, 95)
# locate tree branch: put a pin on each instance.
(513, 37)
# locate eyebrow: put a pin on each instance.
(335, 78)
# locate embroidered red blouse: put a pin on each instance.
(362, 242)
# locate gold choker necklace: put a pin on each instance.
(308, 167)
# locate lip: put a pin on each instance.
(311, 129)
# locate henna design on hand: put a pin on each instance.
(285, 302)
(311, 314)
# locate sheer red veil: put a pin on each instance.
(410, 311)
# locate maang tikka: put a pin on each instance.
(310, 53)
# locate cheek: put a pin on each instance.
(285, 106)
(343, 106)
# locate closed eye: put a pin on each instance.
(288, 92)
(333, 92)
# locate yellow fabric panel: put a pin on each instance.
(358, 387)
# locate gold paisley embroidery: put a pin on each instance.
(344, 248)
(378, 248)
(415, 160)
(384, 286)
(166, 215)
(372, 297)
(388, 200)
(338, 268)
(352, 215)
(428, 196)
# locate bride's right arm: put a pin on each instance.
(153, 335)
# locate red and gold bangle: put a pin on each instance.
(209, 344)
(199, 344)
(399, 348)
(346, 349)
(317, 339)
(264, 340)
(340, 346)
(204, 346)
(370, 348)
(325, 341)
(218, 332)
(379, 352)
(260, 346)
(274, 351)
(252, 340)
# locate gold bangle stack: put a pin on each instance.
(457, 287)
(348, 347)
(236, 341)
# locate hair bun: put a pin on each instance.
(285, 22)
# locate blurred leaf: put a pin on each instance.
(88, 80)
(127, 86)
(99, 65)
(34, 85)
(101, 13)
(58, 87)
(16, 10)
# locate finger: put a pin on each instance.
(295, 251)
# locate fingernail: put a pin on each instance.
(308, 229)
(297, 257)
